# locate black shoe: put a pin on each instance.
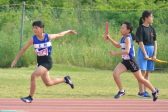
(155, 94)
(68, 81)
(28, 99)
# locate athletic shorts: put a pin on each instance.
(143, 63)
(131, 64)
(45, 61)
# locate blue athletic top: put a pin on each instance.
(44, 47)
(131, 53)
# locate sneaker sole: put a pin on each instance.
(143, 97)
(24, 101)
(72, 86)
(157, 96)
(119, 97)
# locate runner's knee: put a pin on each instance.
(48, 84)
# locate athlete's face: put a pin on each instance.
(37, 30)
(123, 30)
(149, 19)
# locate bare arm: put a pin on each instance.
(155, 51)
(54, 36)
(126, 51)
(141, 45)
(117, 45)
(30, 42)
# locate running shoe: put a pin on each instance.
(155, 94)
(68, 81)
(119, 94)
(147, 94)
(144, 94)
(27, 99)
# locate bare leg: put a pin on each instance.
(142, 80)
(120, 68)
(141, 86)
(146, 77)
(49, 82)
(37, 73)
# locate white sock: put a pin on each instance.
(154, 91)
(122, 91)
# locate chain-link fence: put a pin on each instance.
(86, 49)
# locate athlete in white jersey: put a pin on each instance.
(128, 62)
(43, 48)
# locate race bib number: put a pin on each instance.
(126, 56)
(43, 52)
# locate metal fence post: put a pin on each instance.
(21, 30)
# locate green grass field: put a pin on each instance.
(89, 83)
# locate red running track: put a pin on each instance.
(84, 105)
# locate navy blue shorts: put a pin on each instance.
(45, 61)
(131, 64)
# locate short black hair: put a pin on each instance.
(38, 23)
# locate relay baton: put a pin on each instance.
(157, 60)
(106, 31)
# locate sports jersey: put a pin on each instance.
(131, 53)
(44, 47)
(146, 34)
